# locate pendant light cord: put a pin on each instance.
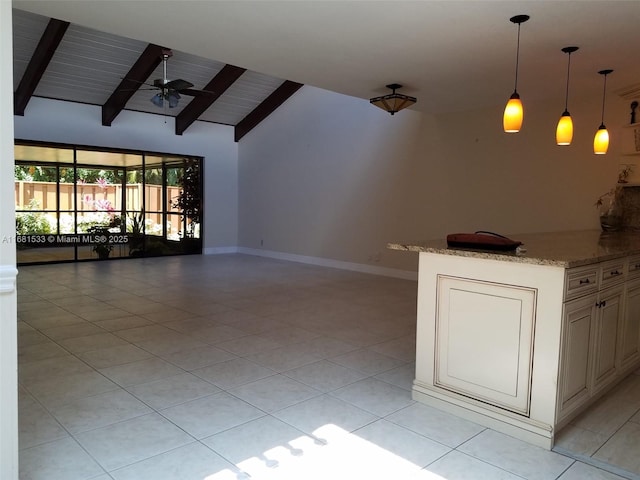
(566, 97)
(515, 88)
(604, 93)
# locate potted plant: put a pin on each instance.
(101, 247)
(190, 202)
(609, 205)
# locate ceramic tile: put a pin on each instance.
(61, 459)
(36, 425)
(401, 376)
(267, 439)
(209, 415)
(283, 358)
(142, 371)
(274, 393)
(440, 426)
(317, 412)
(197, 357)
(233, 373)
(325, 376)
(458, 466)
(403, 348)
(606, 416)
(174, 390)
(190, 462)
(578, 441)
(40, 351)
(131, 441)
(248, 345)
(402, 442)
(92, 342)
(327, 347)
(516, 456)
(143, 333)
(110, 357)
(581, 471)
(216, 334)
(375, 396)
(98, 411)
(123, 323)
(171, 343)
(69, 331)
(55, 367)
(367, 361)
(59, 391)
(614, 450)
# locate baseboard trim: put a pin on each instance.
(327, 262)
(219, 250)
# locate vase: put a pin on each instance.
(610, 222)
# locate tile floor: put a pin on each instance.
(239, 367)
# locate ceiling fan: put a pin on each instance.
(170, 90)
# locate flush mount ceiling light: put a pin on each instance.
(513, 114)
(564, 130)
(393, 102)
(601, 140)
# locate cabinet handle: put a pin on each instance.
(615, 272)
(636, 266)
(585, 281)
(601, 304)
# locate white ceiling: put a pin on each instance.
(452, 55)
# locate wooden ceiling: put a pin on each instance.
(63, 61)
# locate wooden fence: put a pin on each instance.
(92, 197)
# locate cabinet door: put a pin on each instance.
(608, 316)
(575, 379)
(630, 328)
(484, 341)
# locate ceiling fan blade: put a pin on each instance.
(178, 84)
(195, 93)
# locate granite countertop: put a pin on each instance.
(561, 249)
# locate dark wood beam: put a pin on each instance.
(138, 74)
(38, 64)
(266, 108)
(217, 86)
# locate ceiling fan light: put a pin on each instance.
(601, 141)
(157, 100)
(173, 98)
(564, 130)
(513, 114)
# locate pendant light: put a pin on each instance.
(601, 140)
(564, 130)
(513, 114)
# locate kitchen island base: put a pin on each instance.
(522, 344)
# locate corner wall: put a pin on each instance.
(8, 323)
(333, 177)
(73, 123)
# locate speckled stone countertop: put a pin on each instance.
(561, 249)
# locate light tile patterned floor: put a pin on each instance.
(237, 367)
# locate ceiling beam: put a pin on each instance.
(217, 86)
(47, 46)
(138, 74)
(266, 108)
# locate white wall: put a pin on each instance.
(63, 122)
(331, 176)
(8, 324)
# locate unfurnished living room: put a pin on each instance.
(230, 251)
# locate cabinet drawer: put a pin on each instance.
(633, 270)
(612, 272)
(581, 281)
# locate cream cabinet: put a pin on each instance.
(521, 347)
(629, 338)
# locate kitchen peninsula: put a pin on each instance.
(524, 341)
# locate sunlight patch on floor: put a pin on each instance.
(333, 453)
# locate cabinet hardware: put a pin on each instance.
(582, 282)
(615, 272)
(601, 304)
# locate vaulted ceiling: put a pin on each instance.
(60, 60)
(453, 55)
